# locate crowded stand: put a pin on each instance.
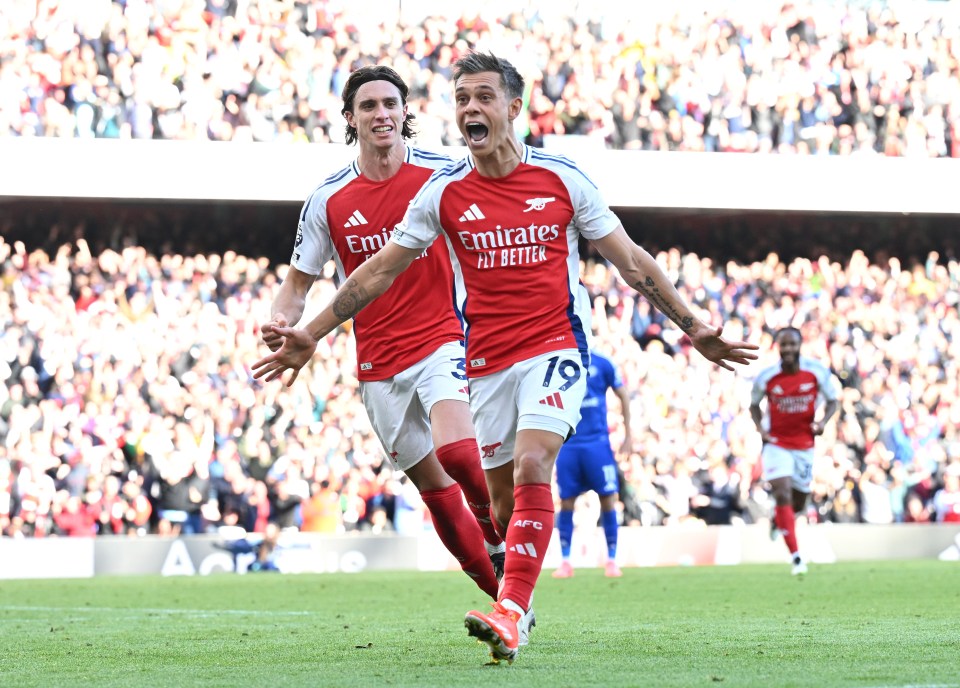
(792, 78)
(128, 405)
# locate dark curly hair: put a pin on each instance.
(787, 330)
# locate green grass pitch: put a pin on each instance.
(856, 624)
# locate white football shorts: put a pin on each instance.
(541, 393)
(795, 463)
(399, 407)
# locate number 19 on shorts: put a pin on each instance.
(566, 369)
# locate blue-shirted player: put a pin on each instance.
(586, 462)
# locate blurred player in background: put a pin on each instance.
(410, 341)
(793, 388)
(586, 462)
(512, 217)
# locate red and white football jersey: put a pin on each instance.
(792, 400)
(349, 218)
(514, 245)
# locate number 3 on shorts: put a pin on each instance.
(461, 367)
(566, 369)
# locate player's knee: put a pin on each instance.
(609, 502)
(534, 465)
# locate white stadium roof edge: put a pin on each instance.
(50, 168)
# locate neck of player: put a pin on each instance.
(501, 161)
(379, 164)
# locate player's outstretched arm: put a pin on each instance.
(287, 308)
(365, 284)
(639, 269)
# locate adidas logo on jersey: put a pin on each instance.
(538, 203)
(777, 389)
(356, 219)
(553, 400)
(472, 213)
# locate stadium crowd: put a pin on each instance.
(126, 401)
(797, 77)
(127, 404)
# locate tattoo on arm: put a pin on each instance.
(350, 300)
(648, 287)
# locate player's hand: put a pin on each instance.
(627, 446)
(268, 334)
(817, 427)
(715, 348)
(294, 353)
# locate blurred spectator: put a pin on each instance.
(946, 501)
(321, 512)
(916, 510)
(379, 522)
(844, 507)
(875, 503)
(719, 497)
(284, 510)
(74, 517)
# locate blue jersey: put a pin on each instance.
(593, 424)
(586, 460)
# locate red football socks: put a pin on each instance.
(461, 535)
(461, 461)
(528, 537)
(786, 521)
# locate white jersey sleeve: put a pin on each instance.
(828, 386)
(759, 389)
(421, 225)
(592, 217)
(314, 246)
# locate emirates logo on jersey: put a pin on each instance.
(508, 237)
(366, 243)
(802, 403)
(511, 246)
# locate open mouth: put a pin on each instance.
(382, 129)
(476, 132)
